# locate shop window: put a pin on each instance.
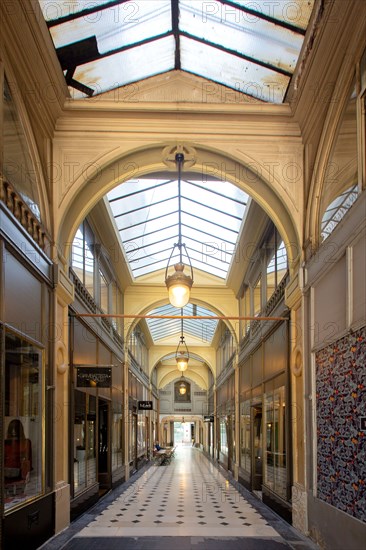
(17, 164)
(141, 435)
(275, 473)
(84, 441)
(245, 453)
(23, 421)
(223, 436)
(117, 436)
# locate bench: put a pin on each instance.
(164, 456)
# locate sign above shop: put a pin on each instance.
(145, 405)
(93, 377)
(208, 418)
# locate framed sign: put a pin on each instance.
(93, 377)
(145, 405)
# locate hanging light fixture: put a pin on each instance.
(179, 284)
(182, 353)
(182, 387)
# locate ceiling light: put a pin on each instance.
(179, 284)
(182, 353)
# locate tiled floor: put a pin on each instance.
(189, 499)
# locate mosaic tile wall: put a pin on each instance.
(341, 401)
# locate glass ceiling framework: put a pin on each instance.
(249, 46)
(145, 212)
(203, 329)
(337, 210)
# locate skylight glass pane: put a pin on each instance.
(294, 12)
(146, 214)
(263, 40)
(209, 227)
(199, 328)
(126, 67)
(229, 70)
(211, 199)
(116, 26)
(167, 223)
(220, 186)
(55, 9)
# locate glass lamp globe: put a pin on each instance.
(182, 363)
(179, 287)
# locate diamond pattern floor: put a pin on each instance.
(188, 497)
(186, 505)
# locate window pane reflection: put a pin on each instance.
(23, 456)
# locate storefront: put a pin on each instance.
(26, 386)
(97, 420)
(265, 465)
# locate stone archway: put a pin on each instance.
(91, 185)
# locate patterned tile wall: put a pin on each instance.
(341, 402)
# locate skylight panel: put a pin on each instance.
(146, 216)
(295, 13)
(116, 26)
(198, 328)
(251, 47)
(236, 73)
(126, 67)
(265, 42)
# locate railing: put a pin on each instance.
(272, 303)
(91, 305)
(228, 368)
(138, 370)
(19, 208)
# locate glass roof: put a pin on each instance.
(204, 329)
(337, 209)
(251, 47)
(147, 218)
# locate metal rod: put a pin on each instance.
(210, 317)
(179, 158)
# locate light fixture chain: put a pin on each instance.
(179, 158)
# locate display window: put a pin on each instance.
(275, 472)
(85, 471)
(23, 421)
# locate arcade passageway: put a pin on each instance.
(186, 504)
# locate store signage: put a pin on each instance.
(208, 418)
(93, 377)
(145, 405)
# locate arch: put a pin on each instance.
(315, 206)
(134, 322)
(174, 376)
(209, 161)
(161, 358)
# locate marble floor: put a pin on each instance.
(188, 503)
